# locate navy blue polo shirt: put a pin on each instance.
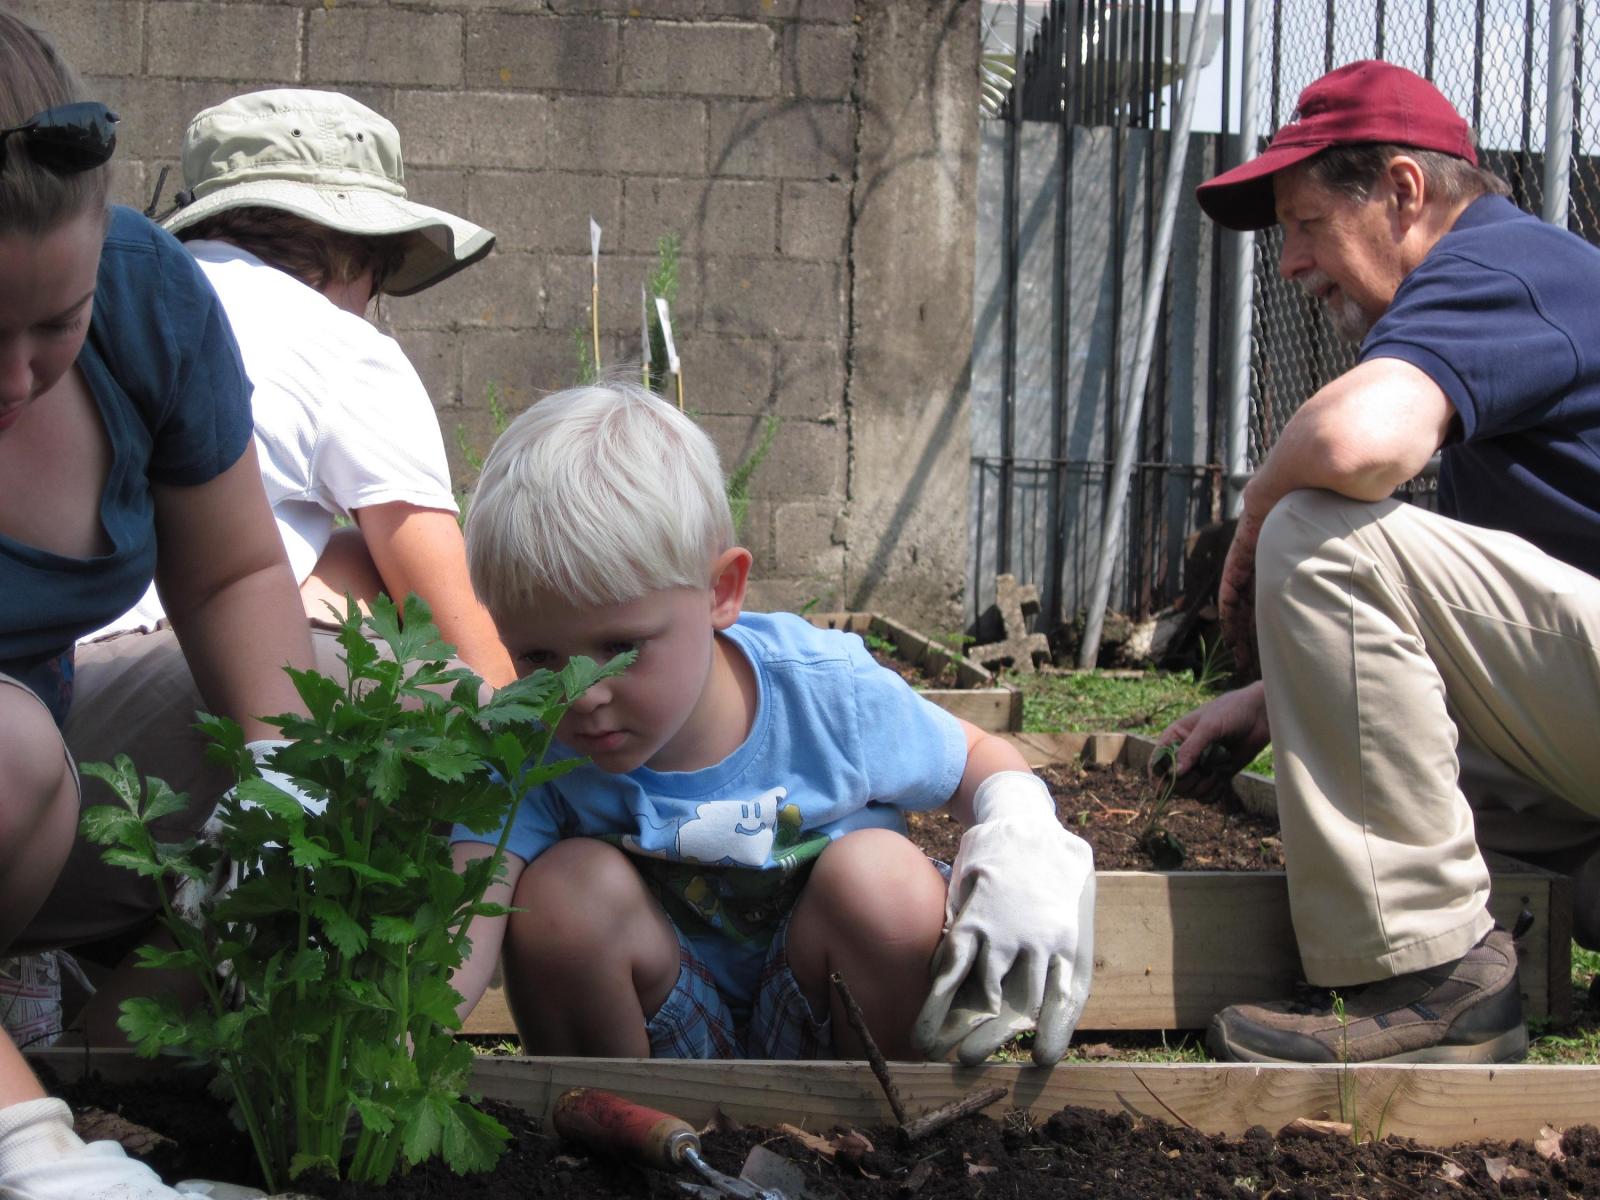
(1504, 315)
(162, 366)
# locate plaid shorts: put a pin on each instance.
(695, 1021)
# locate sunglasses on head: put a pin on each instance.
(68, 138)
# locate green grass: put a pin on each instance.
(1119, 702)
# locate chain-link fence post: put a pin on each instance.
(1241, 295)
(1558, 113)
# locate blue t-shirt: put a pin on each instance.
(1504, 315)
(161, 364)
(838, 743)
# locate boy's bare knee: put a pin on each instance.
(877, 885)
(579, 891)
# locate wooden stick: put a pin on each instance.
(880, 1068)
(938, 1118)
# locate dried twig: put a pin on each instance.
(880, 1068)
(938, 1118)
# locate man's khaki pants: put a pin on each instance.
(1420, 673)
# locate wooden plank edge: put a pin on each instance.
(1437, 1105)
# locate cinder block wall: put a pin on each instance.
(816, 157)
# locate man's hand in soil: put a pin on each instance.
(1236, 721)
(1236, 593)
(1018, 949)
(41, 1158)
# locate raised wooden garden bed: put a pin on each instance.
(1173, 947)
(977, 695)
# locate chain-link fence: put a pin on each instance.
(1069, 176)
(1491, 59)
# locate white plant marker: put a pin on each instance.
(594, 289)
(672, 351)
(644, 336)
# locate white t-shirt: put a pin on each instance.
(342, 420)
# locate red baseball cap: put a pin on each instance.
(1367, 101)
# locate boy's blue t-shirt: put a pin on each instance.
(838, 743)
(162, 366)
(1503, 315)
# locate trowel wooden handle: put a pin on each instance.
(606, 1121)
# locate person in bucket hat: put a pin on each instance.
(1429, 680)
(295, 208)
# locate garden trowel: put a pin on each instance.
(605, 1121)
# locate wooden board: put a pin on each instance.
(1438, 1106)
(978, 696)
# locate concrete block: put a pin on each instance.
(466, 129)
(439, 188)
(774, 298)
(631, 135)
(730, 375)
(436, 354)
(754, 533)
(98, 37)
(242, 43)
(625, 8)
(806, 537)
(621, 275)
(532, 51)
(816, 593)
(388, 45)
(723, 59)
(835, 11)
(815, 221)
(783, 139)
(818, 61)
(504, 291)
(520, 366)
(807, 459)
(548, 210)
(710, 216)
(154, 113)
(810, 379)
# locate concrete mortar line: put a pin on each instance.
(847, 401)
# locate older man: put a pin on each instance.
(1431, 682)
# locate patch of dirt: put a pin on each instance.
(1076, 1153)
(1112, 808)
(942, 676)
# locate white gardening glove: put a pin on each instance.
(262, 751)
(191, 894)
(1018, 948)
(42, 1159)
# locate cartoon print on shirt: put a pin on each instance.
(739, 832)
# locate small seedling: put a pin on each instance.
(1165, 850)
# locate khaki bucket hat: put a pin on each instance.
(329, 159)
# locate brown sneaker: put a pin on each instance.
(1467, 1011)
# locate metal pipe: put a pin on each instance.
(1133, 405)
(1558, 113)
(1241, 294)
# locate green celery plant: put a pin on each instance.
(328, 1011)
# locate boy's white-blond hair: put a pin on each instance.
(599, 494)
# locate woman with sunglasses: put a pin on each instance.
(295, 208)
(125, 450)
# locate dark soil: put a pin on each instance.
(1117, 810)
(1077, 1152)
(943, 674)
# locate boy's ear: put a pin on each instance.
(730, 574)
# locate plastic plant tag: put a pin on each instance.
(666, 334)
(594, 241)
